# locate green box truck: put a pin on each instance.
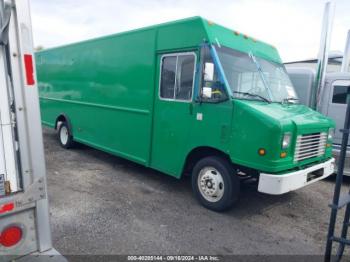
(188, 97)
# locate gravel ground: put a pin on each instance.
(102, 204)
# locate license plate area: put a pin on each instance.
(315, 174)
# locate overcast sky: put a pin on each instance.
(293, 26)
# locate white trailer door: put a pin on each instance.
(7, 141)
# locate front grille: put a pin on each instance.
(309, 146)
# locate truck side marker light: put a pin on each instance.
(283, 154)
(7, 207)
(11, 236)
(236, 33)
(262, 152)
(211, 23)
(329, 145)
(29, 67)
(245, 36)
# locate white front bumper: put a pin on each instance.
(279, 184)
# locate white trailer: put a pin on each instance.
(24, 214)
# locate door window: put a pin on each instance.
(340, 94)
(177, 76)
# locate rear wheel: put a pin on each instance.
(215, 183)
(65, 136)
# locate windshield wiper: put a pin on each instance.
(258, 66)
(252, 95)
(288, 99)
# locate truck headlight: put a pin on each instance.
(330, 133)
(286, 140)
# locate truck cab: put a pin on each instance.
(284, 143)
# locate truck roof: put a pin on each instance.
(218, 34)
(198, 30)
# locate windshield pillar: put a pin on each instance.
(220, 69)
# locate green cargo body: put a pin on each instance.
(108, 90)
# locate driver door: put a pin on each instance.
(173, 114)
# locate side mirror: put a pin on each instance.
(209, 72)
(207, 92)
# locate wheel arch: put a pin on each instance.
(64, 118)
(199, 153)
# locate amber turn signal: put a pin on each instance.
(283, 154)
(262, 152)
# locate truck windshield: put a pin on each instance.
(255, 78)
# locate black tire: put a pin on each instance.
(65, 141)
(229, 183)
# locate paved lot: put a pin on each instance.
(101, 204)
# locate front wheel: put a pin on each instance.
(215, 183)
(65, 136)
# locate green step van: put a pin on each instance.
(188, 97)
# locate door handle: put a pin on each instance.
(191, 108)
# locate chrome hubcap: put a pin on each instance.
(64, 135)
(211, 184)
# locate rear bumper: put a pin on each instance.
(279, 184)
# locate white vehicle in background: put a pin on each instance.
(24, 214)
(323, 83)
(333, 103)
